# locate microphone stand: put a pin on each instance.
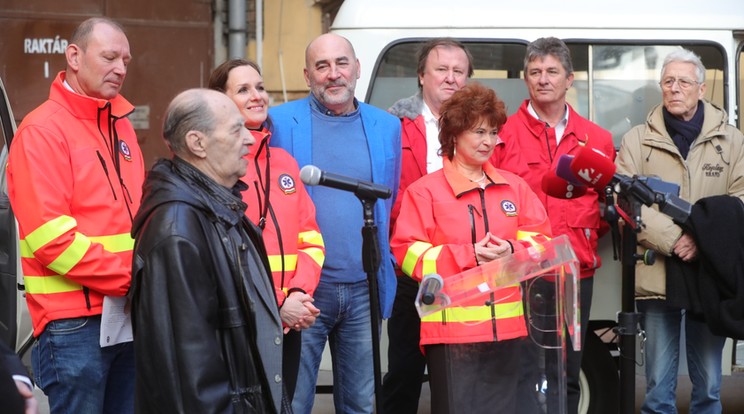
(629, 208)
(628, 318)
(371, 262)
(633, 193)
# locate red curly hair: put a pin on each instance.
(466, 109)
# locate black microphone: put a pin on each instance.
(312, 175)
(430, 286)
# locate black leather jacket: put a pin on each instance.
(207, 332)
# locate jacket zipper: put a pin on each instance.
(263, 204)
(482, 193)
(86, 293)
(114, 152)
(127, 196)
(279, 242)
(265, 208)
(471, 213)
(105, 171)
(471, 209)
(547, 143)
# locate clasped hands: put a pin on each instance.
(298, 311)
(491, 248)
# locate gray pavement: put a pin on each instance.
(732, 394)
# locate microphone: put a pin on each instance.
(597, 170)
(563, 169)
(557, 187)
(593, 168)
(430, 286)
(312, 175)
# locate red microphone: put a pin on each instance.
(593, 168)
(557, 187)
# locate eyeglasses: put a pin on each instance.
(683, 83)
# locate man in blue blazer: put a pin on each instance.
(333, 131)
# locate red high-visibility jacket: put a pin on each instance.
(75, 174)
(442, 215)
(287, 218)
(534, 152)
(414, 147)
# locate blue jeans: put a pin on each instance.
(345, 322)
(663, 325)
(79, 376)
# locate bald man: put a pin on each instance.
(335, 132)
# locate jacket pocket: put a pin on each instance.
(583, 226)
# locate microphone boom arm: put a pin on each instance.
(649, 191)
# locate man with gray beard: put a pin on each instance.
(333, 131)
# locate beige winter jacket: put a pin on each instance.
(714, 166)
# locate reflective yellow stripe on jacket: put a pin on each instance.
(533, 238)
(475, 314)
(46, 233)
(71, 256)
(51, 230)
(115, 243)
(314, 238)
(429, 261)
(290, 262)
(315, 253)
(492, 321)
(49, 284)
(467, 314)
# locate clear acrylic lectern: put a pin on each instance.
(548, 276)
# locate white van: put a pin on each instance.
(15, 324)
(617, 50)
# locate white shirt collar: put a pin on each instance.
(560, 127)
(433, 160)
(427, 114)
(67, 85)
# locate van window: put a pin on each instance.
(498, 65)
(615, 85)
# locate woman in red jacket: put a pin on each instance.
(464, 215)
(279, 204)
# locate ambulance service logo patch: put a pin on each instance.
(287, 184)
(125, 151)
(509, 208)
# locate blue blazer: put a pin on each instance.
(293, 132)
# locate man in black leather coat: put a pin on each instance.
(207, 333)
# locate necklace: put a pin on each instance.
(480, 180)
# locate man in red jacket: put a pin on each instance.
(444, 66)
(544, 128)
(75, 174)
